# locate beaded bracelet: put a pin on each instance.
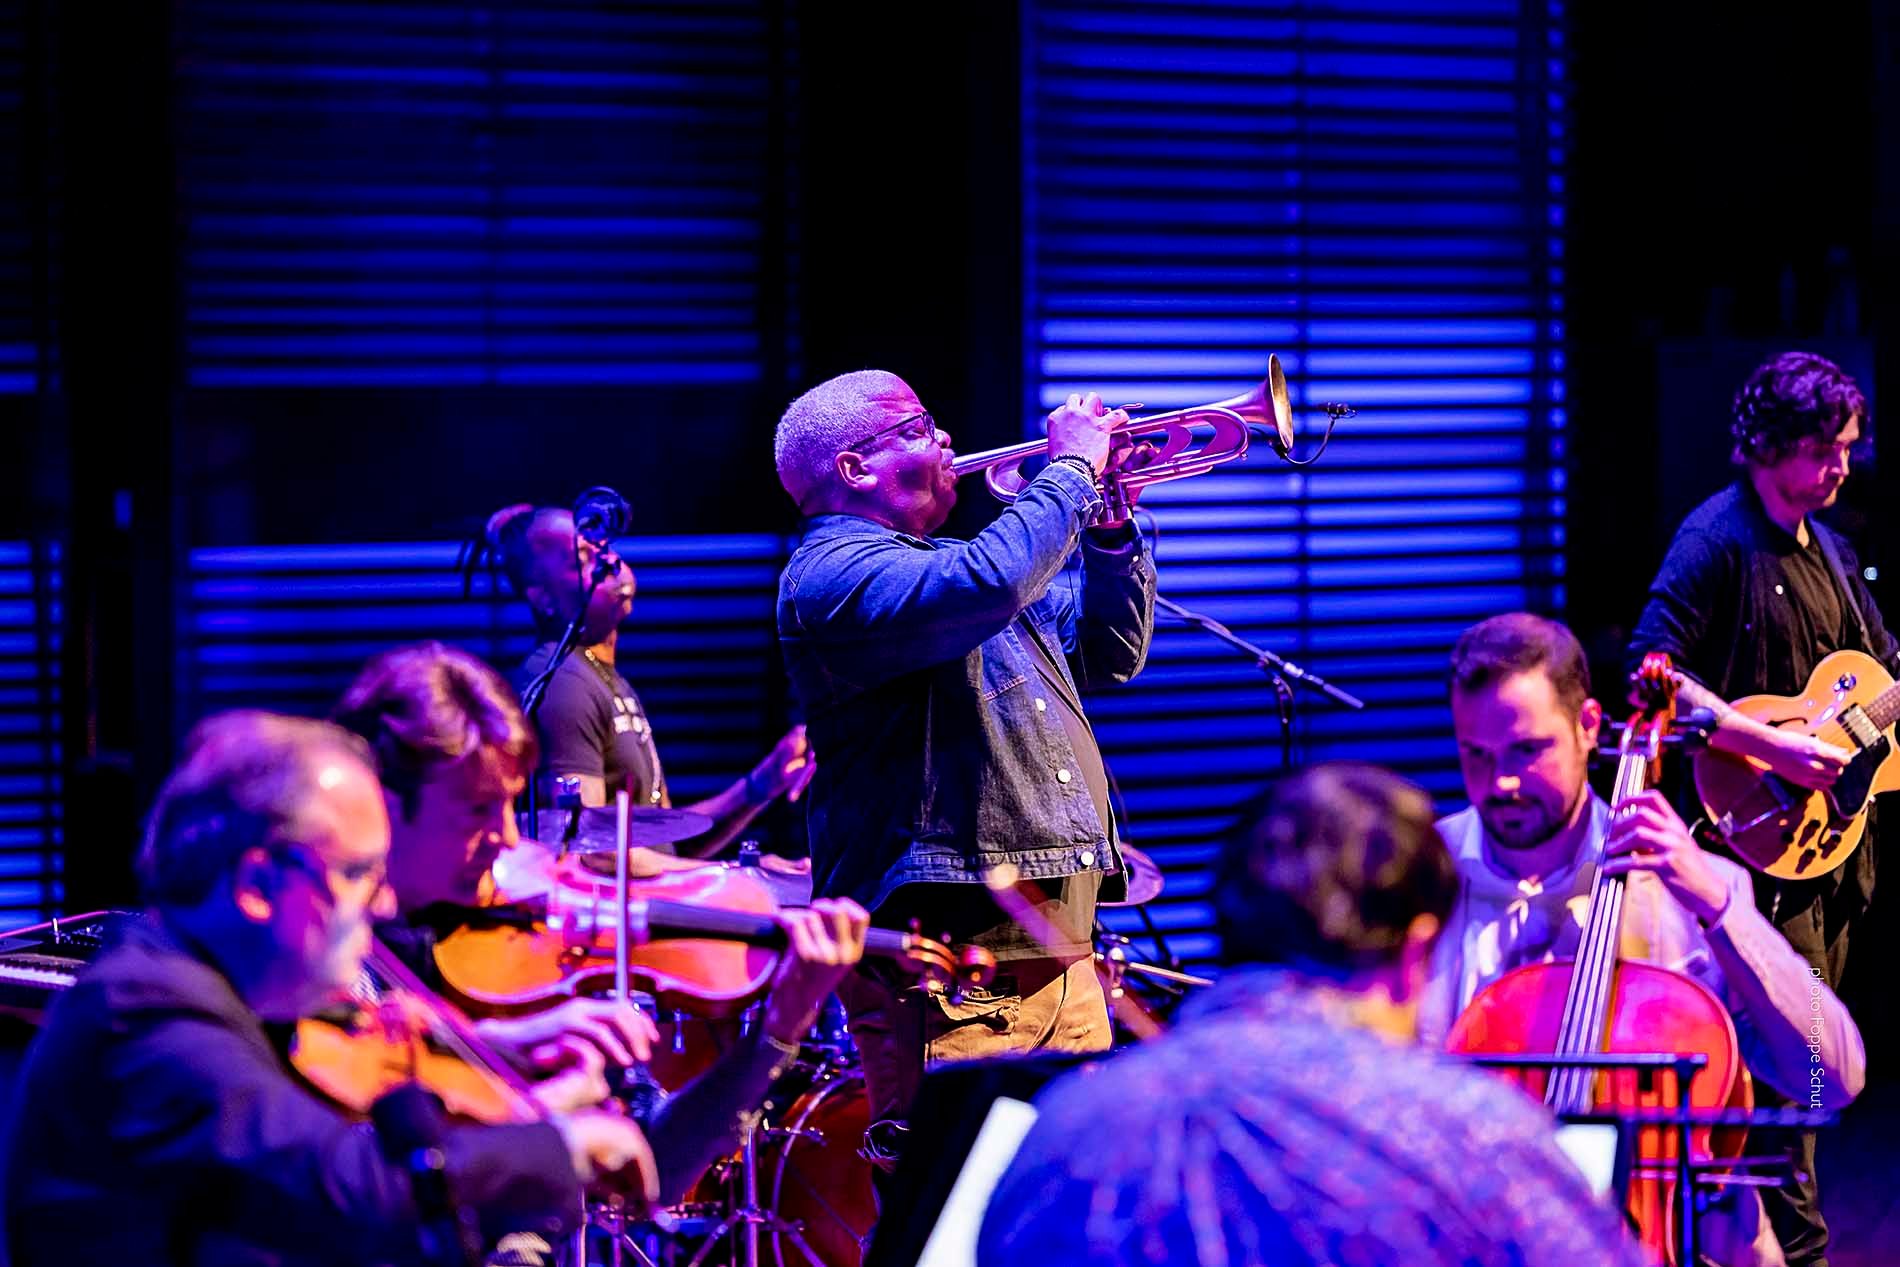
(1077, 461)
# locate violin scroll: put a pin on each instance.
(939, 969)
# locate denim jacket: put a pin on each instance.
(937, 755)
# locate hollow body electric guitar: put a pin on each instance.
(1788, 831)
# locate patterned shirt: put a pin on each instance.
(592, 723)
(1269, 1129)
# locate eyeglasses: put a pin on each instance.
(370, 875)
(916, 427)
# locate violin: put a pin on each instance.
(704, 939)
(407, 1034)
(1598, 1003)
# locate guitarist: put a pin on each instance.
(1753, 593)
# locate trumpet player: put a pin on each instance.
(941, 685)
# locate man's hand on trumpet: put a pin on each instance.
(1081, 428)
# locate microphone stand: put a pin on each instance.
(1282, 671)
(537, 690)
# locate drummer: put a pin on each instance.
(454, 750)
(591, 722)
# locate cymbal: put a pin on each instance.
(788, 883)
(1144, 878)
(788, 886)
(530, 871)
(650, 826)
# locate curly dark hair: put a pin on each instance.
(1326, 870)
(1786, 400)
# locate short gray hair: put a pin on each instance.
(819, 425)
(247, 780)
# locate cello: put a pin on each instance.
(1599, 1002)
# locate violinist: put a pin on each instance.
(1525, 726)
(160, 1121)
(454, 751)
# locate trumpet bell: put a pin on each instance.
(1282, 408)
(1266, 407)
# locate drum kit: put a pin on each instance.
(798, 1192)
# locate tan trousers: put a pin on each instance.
(1033, 1005)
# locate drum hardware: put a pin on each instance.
(805, 1191)
(788, 879)
(1138, 1016)
(748, 1217)
(1112, 960)
(609, 1218)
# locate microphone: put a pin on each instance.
(601, 514)
(410, 1130)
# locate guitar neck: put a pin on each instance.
(1884, 709)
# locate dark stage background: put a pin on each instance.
(293, 295)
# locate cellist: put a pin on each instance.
(454, 751)
(1525, 726)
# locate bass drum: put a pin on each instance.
(812, 1175)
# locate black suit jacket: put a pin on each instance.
(160, 1122)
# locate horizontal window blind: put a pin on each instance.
(31, 841)
(289, 627)
(428, 193)
(1373, 190)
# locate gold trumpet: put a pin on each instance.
(1177, 454)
